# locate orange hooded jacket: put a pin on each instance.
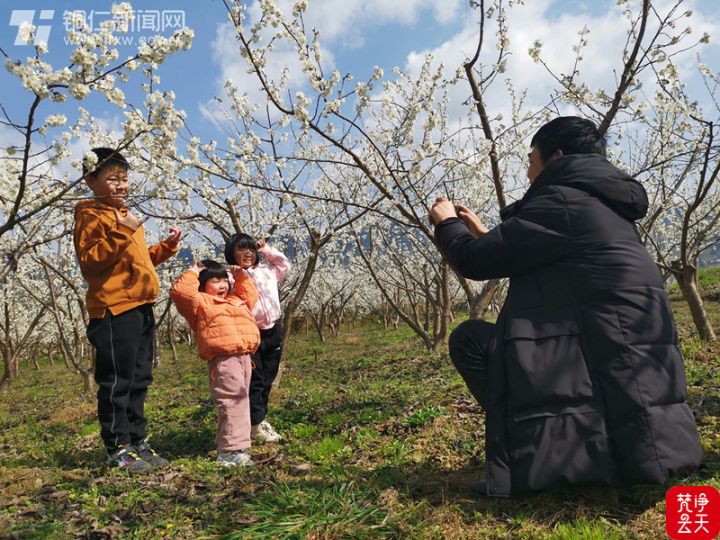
(222, 326)
(115, 260)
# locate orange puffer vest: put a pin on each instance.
(222, 326)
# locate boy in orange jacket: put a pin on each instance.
(122, 285)
(226, 336)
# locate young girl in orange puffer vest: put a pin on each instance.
(226, 336)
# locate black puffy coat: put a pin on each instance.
(586, 380)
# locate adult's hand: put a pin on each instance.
(441, 210)
(477, 227)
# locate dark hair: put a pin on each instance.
(213, 269)
(106, 157)
(240, 241)
(571, 134)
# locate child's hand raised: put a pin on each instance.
(196, 265)
(174, 238)
(235, 269)
(260, 244)
(130, 220)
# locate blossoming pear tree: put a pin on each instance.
(38, 188)
(379, 150)
(663, 135)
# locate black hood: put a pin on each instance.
(593, 174)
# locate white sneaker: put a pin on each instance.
(264, 432)
(237, 458)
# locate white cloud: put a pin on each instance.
(104, 128)
(226, 54)
(602, 57)
(342, 25)
(339, 18)
(10, 137)
(283, 61)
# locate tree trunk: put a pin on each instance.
(7, 374)
(88, 380)
(318, 323)
(170, 328)
(482, 300)
(686, 276)
(15, 364)
(173, 347)
(316, 243)
(446, 303)
(156, 350)
(428, 303)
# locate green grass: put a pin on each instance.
(581, 529)
(383, 441)
(299, 510)
(708, 279)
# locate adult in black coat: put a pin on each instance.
(581, 378)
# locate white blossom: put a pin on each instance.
(55, 120)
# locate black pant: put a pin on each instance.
(469, 349)
(123, 371)
(266, 362)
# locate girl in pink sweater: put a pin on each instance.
(242, 250)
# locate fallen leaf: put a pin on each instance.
(114, 530)
(55, 496)
(302, 468)
(73, 475)
(247, 520)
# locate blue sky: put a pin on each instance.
(358, 34)
(187, 73)
(194, 75)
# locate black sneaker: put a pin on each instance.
(125, 459)
(146, 453)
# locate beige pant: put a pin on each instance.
(229, 378)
